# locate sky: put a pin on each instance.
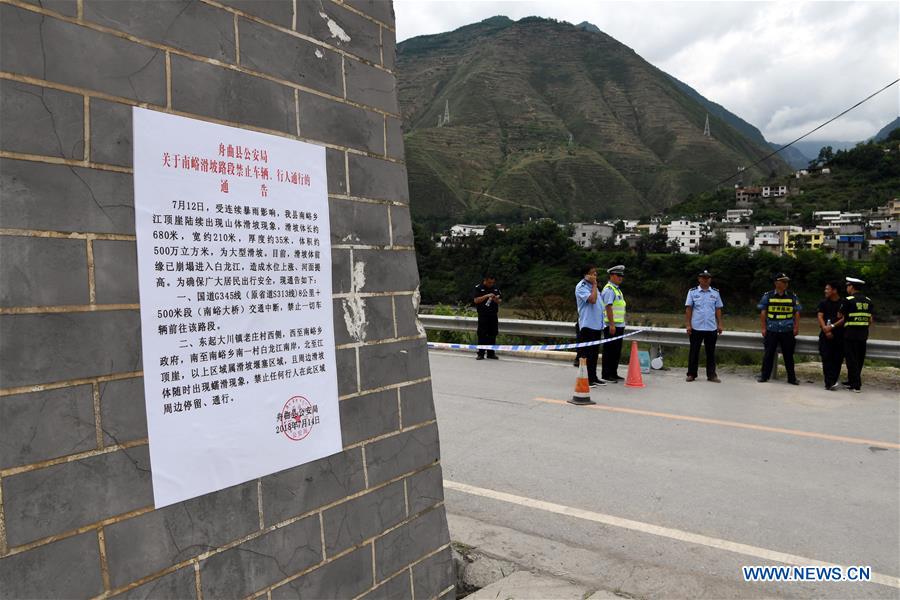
(785, 67)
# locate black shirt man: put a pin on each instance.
(486, 298)
(831, 338)
(855, 316)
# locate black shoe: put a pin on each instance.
(597, 383)
(761, 379)
(793, 382)
(479, 357)
(493, 357)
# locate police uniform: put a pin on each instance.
(488, 324)
(780, 310)
(612, 351)
(856, 311)
(704, 327)
(590, 326)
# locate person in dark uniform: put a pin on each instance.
(831, 338)
(855, 316)
(590, 321)
(486, 298)
(703, 321)
(779, 314)
(614, 304)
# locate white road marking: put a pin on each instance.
(649, 528)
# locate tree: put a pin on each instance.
(711, 243)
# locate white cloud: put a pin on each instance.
(786, 67)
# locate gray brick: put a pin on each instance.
(150, 542)
(61, 198)
(111, 133)
(410, 542)
(378, 319)
(287, 57)
(65, 7)
(204, 89)
(123, 415)
(44, 425)
(63, 497)
(186, 24)
(180, 585)
(388, 270)
(402, 453)
(337, 123)
(395, 147)
(69, 568)
(371, 86)
(417, 403)
(395, 362)
(47, 48)
(115, 272)
(29, 264)
(37, 120)
(346, 577)
(59, 347)
(348, 524)
(405, 313)
(369, 415)
(346, 372)
(340, 271)
(337, 171)
(279, 12)
(364, 35)
(382, 10)
(299, 490)
(355, 222)
(389, 48)
(396, 588)
(401, 226)
(425, 489)
(378, 179)
(255, 564)
(433, 575)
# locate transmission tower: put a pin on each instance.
(706, 127)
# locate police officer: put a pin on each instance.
(703, 321)
(614, 304)
(590, 321)
(780, 320)
(486, 298)
(855, 316)
(831, 337)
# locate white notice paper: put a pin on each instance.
(234, 265)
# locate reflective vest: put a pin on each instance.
(618, 305)
(860, 315)
(780, 308)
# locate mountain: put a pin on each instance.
(506, 120)
(887, 129)
(811, 148)
(792, 156)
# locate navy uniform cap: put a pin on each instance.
(704, 273)
(616, 270)
(781, 277)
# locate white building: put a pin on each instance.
(584, 234)
(736, 215)
(824, 216)
(686, 235)
(467, 230)
(774, 191)
(737, 239)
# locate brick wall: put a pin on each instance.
(76, 515)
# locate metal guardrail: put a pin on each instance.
(664, 336)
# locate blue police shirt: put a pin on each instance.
(589, 315)
(704, 304)
(787, 304)
(607, 295)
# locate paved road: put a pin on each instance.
(648, 492)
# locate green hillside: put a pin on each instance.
(549, 119)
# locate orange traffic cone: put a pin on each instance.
(634, 378)
(582, 395)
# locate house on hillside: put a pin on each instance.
(584, 234)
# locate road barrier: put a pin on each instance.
(663, 336)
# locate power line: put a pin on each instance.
(771, 154)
